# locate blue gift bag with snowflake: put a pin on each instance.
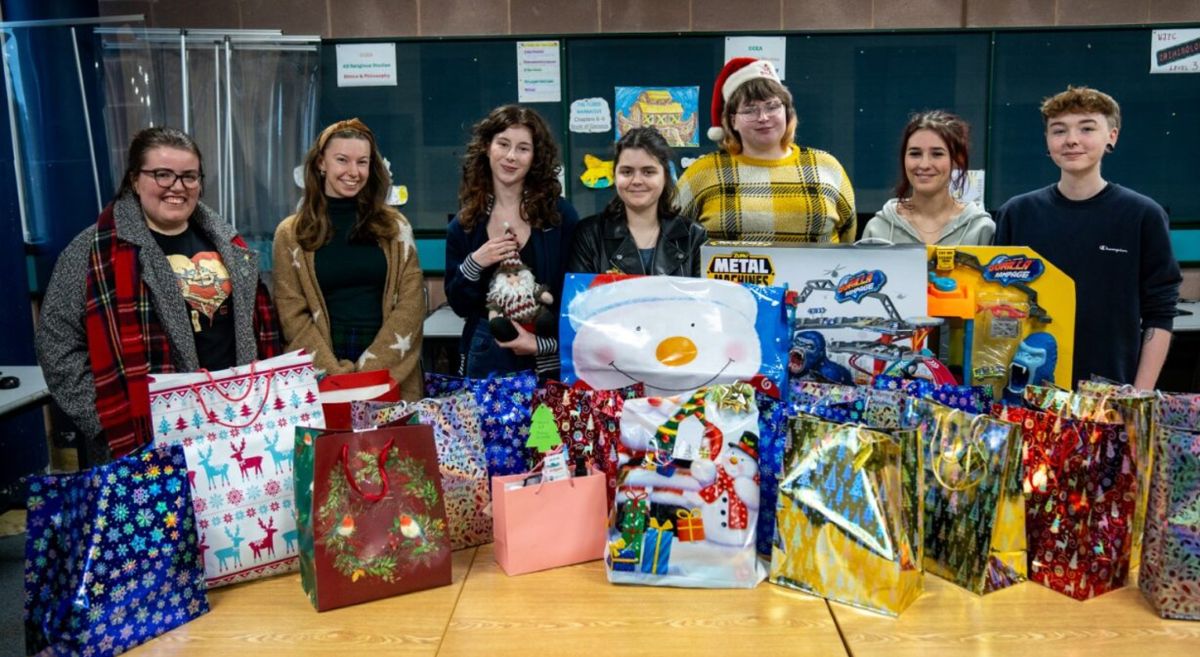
(505, 414)
(111, 558)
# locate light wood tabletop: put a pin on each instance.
(1026, 620)
(274, 617)
(575, 611)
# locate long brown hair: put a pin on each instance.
(375, 219)
(541, 188)
(953, 130)
(757, 90)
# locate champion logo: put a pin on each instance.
(1112, 249)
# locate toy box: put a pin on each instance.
(859, 310)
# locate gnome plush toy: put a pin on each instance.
(515, 297)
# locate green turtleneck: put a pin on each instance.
(351, 274)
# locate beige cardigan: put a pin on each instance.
(305, 319)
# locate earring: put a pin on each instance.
(1108, 148)
(320, 173)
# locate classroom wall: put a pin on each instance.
(367, 18)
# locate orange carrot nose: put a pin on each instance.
(676, 351)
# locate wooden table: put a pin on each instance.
(575, 611)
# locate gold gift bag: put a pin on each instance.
(974, 508)
(845, 524)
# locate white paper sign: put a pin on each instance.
(972, 192)
(366, 64)
(590, 115)
(772, 49)
(539, 79)
(1175, 51)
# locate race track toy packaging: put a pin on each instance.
(1011, 316)
(859, 310)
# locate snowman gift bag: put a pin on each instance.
(672, 334)
(688, 491)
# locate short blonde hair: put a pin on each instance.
(1082, 100)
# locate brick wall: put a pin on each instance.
(369, 18)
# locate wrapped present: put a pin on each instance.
(772, 438)
(235, 427)
(588, 422)
(370, 510)
(1080, 493)
(339, 391)
(689, 525)
(709, 438)
(656, 547)
(623, 556)
(1170, 569)
(841, 404)
(1108, 402)
(972, 399)
(844, 530)
(634, 513)
(111, 558)
(974, 509)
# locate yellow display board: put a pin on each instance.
(999, 296)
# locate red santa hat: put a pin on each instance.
(737, 72)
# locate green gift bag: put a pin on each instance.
(371, 514)
(974, 507)
(847, 525)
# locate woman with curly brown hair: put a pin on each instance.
(511, 213)
(348, 284)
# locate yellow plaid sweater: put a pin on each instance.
(803, 197)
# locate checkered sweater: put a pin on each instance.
(803, 197)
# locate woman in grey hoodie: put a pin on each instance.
(924, 212)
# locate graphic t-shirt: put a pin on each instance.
(206, 288)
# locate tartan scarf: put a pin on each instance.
(127, 342)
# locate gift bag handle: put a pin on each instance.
(380, 461)
(973, 446)
(254, 418)
(249, 388)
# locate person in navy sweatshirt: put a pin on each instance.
(1112, 241)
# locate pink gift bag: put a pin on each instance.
(549, 524)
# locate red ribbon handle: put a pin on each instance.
(382, 459)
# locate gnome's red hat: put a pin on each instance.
(737, 72)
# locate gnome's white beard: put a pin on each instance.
(515, 298)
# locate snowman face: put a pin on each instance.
(737, 462)
(669, 343)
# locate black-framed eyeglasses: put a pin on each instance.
(166, 178)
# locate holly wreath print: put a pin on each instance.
(413, 537)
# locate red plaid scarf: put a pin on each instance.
(126, 341)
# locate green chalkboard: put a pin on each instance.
(424, 122)
(853, 93)
(1158, 149)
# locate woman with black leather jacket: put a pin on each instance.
(640, 231)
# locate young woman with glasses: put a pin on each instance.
(160, 283)
(760, 185)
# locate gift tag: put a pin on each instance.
(555, 466)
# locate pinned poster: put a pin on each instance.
(1175, 51)
(590, 115)
(669, 110)
(366, 65)
(772, 49)
(539, 76)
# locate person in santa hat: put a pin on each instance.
(760, 185)
(511, 209)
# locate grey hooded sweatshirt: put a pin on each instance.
(973, 226)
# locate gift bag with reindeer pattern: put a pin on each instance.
(236, 427)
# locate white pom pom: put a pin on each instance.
(716, 133)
